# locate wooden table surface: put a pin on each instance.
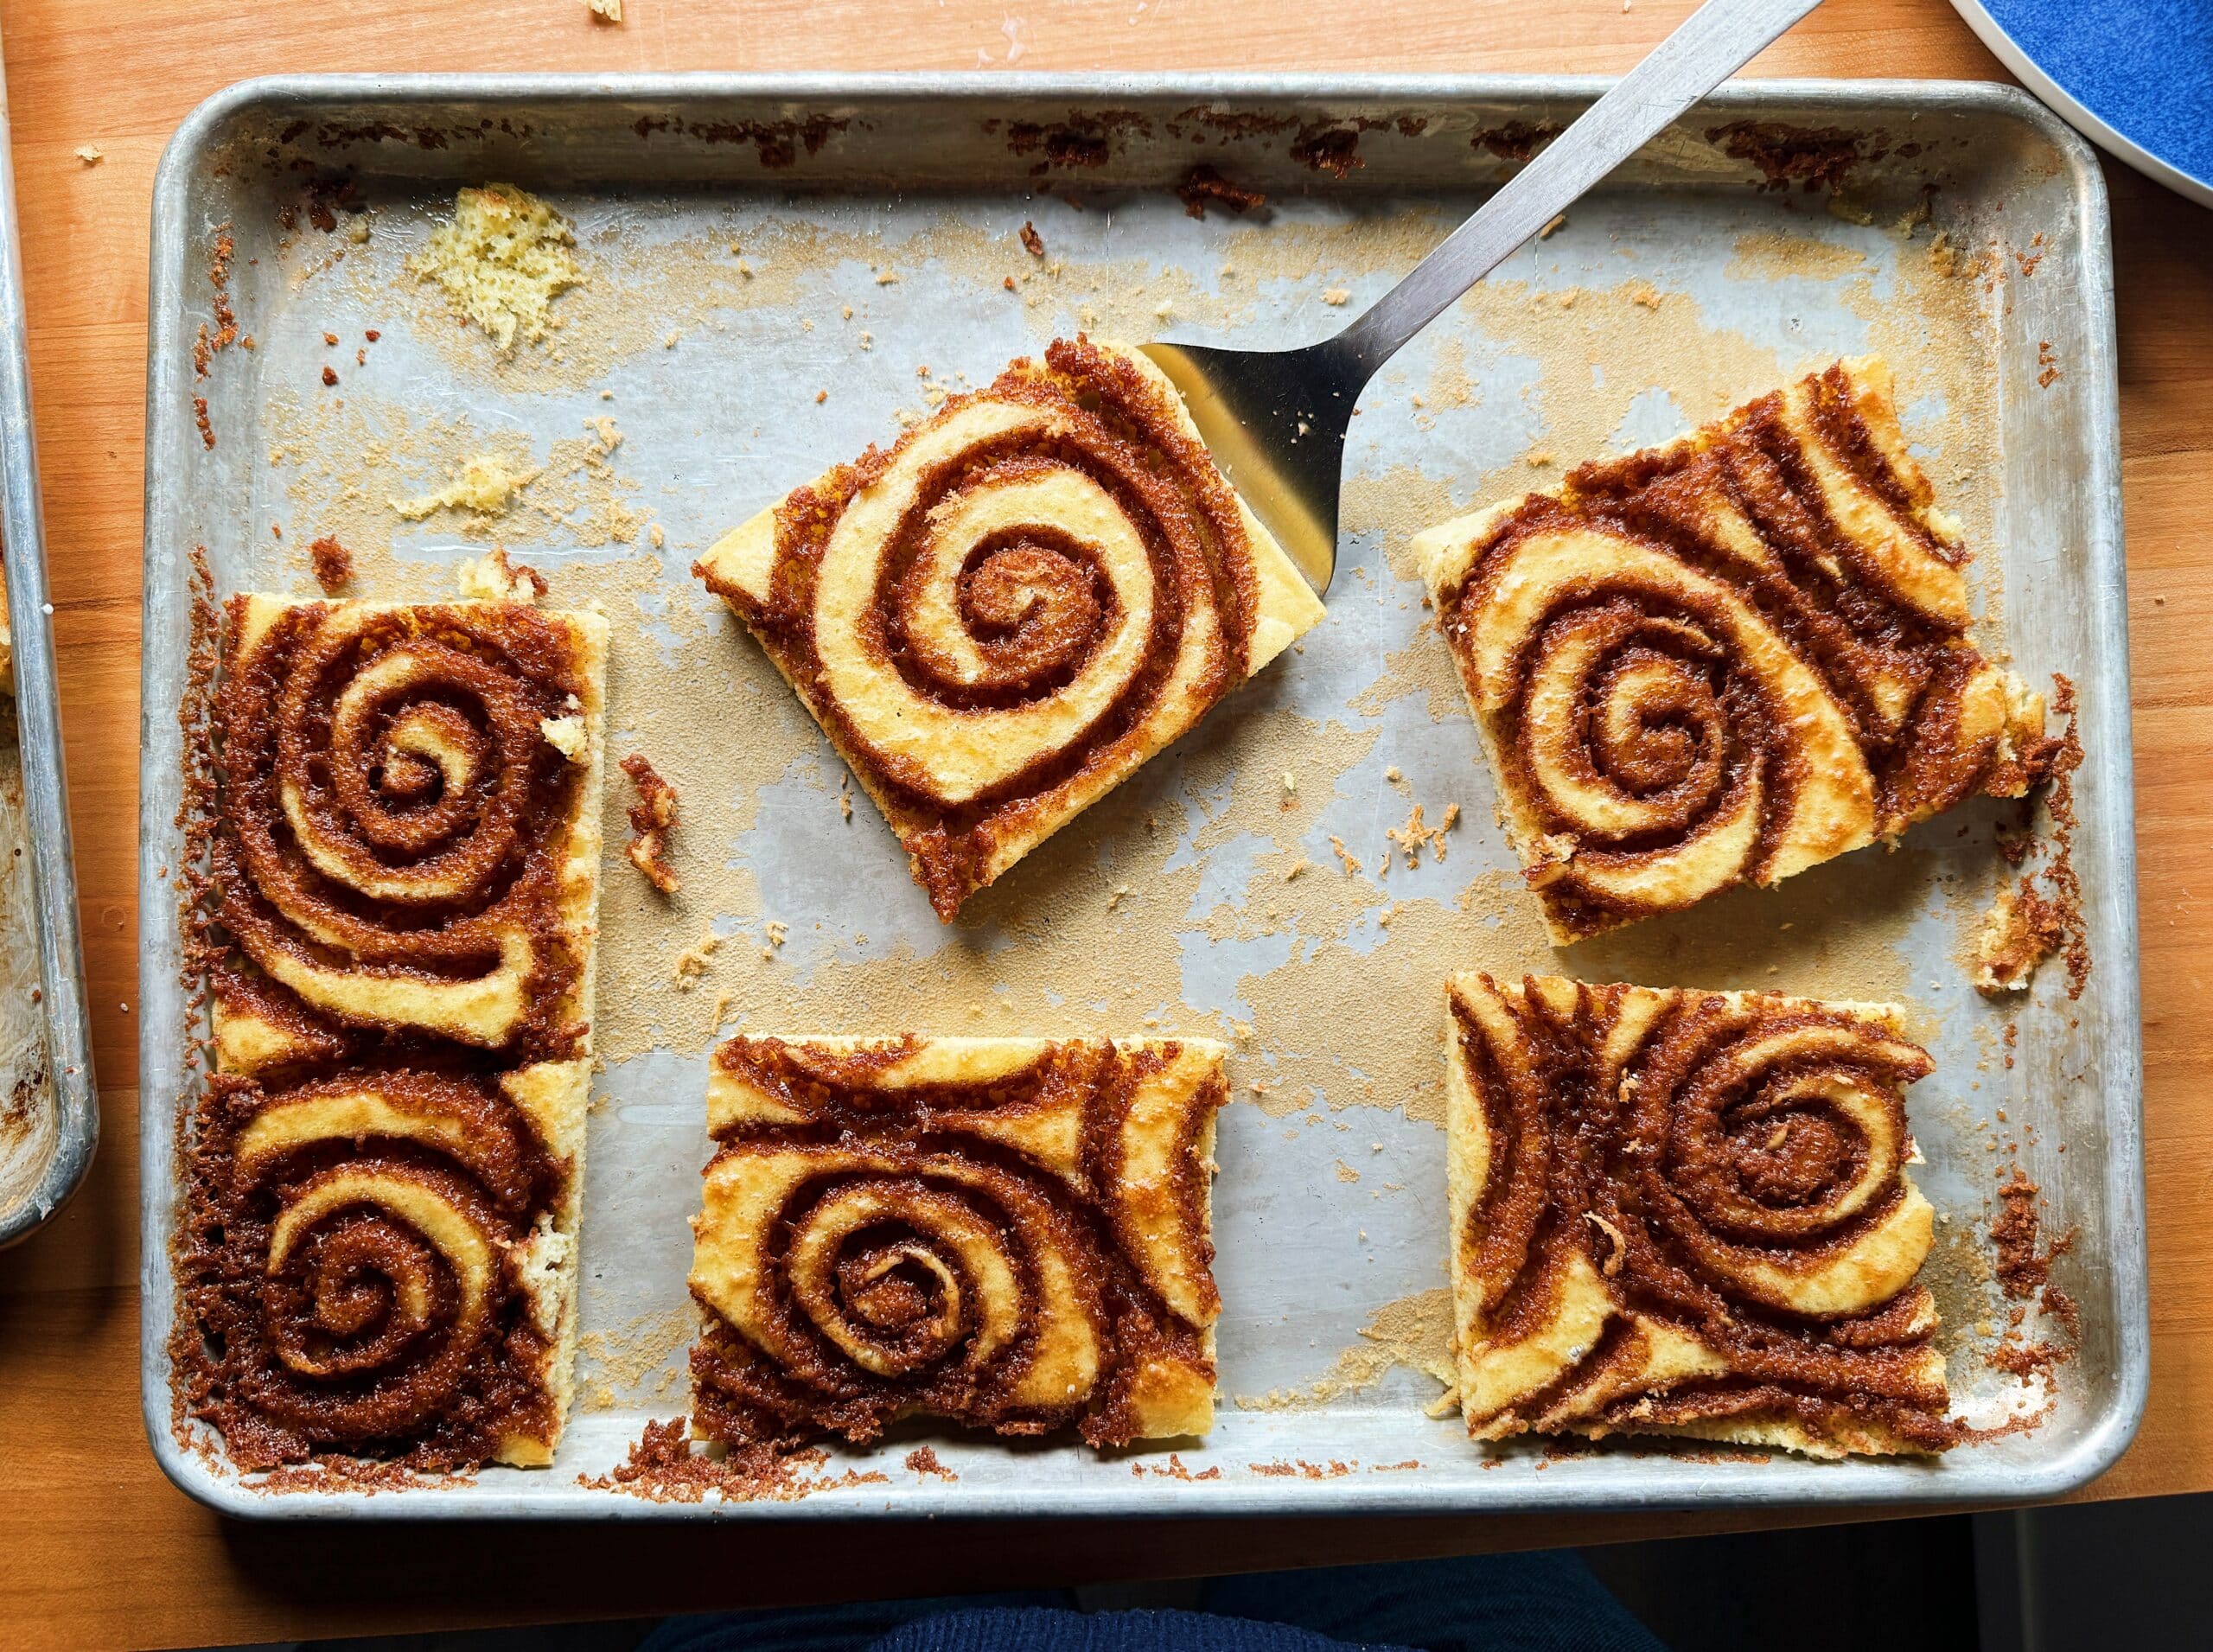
(96, 1548)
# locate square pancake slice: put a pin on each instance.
(386, 1166)
(1011, 1234)
(1727, 659)
(999, 619)
(1688, 1213)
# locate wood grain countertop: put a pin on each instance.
(98, 1549)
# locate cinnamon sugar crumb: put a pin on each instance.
(2021, 929)
(662, 1467)
(924, 1461)
(695, 960)
(333, 563)
(653, 817)
(1415, 835)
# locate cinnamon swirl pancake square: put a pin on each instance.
(1011, 1234)
(1688, 1213)
(1729, 658)
(381, 1253)
(999, 619)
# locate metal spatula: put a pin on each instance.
(1275, 420)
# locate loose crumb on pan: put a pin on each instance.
(1415, 835)
(90, 154)
(2023, 1264)
(2021, 929)
(695, 960)
(606, 11)
(2028, 924)
(334, 564)
(663, 1468)
(493, 578)
(484, 486)
(1032, 240)
(501, 260)
(653, 817)
(924, 1461)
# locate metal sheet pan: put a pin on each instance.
(876, 220)
(43, 952)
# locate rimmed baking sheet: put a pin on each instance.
(49, 1104)
(781, 270)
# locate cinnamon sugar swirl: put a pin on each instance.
(1009, 1232)
(999, 619)
(379, 1256)
(1688, 1213)
(1727, 659)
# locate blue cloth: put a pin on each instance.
(2144, 67)
(1490, 1602)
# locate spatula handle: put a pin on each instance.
(1720, 38)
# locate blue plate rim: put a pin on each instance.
(2075, 112)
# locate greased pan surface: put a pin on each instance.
(771, 263)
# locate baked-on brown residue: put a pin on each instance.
(207, 343)
(653, 817)
(2023, 1266)
(1817, 158)
(663, 1468)
(333, 564)
(1080, 141)
(777, 143)
(1331, 147)
(1174, 1469)
(916, 1221)
(1204, 184)
(1517, 140)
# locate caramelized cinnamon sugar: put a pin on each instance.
(999, 619)
(382, 1177)
(1009, 1233)
(1686, 1213)
(1204, 186)
(663, 1468)
(1727, 659)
